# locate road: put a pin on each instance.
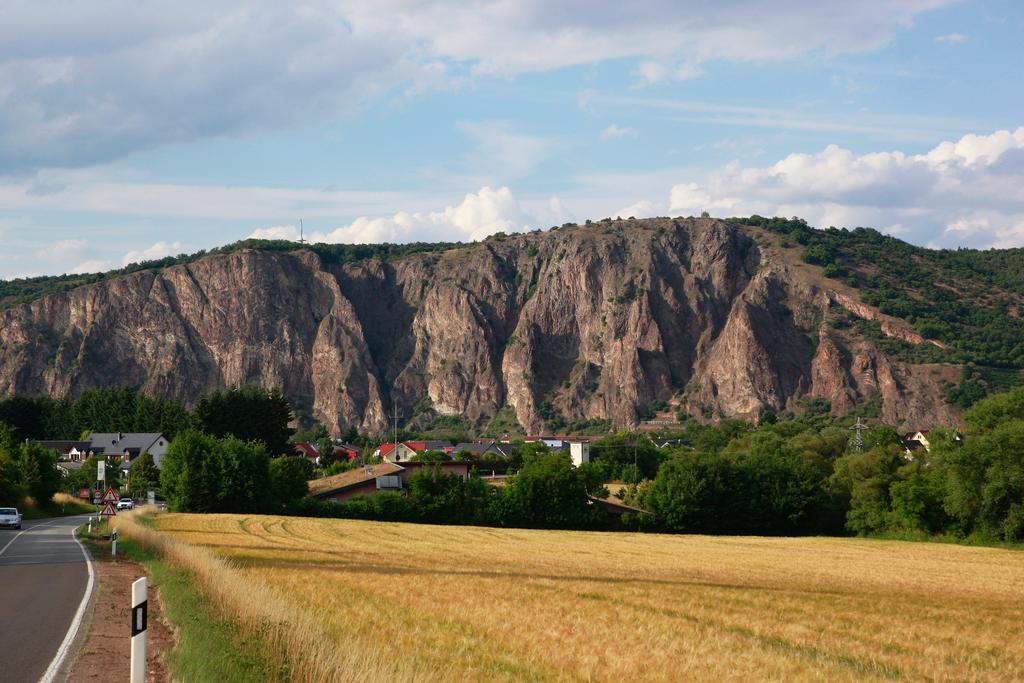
(44, 578)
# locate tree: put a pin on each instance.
(143, 476)
(548, 492)
(866, 478)
(85, 476)
(289, 478)
(628, 457)
(202, 473)
(443, 498)
(189, 478)
(696, 493)
(430, 456)
(39, 474)
(250, 414)
(11, 491)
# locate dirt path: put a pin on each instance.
(106, 652)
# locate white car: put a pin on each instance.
(126, 504)
(10, 518)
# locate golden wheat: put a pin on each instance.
(354, 600)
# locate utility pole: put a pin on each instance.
(858, 438)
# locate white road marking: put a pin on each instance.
(24, 531)
(76, 623)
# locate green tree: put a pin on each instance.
(548, 492)
(202, 473)
(40, 477)
(430, 456)
(85, 476)
(143, 476)
(11, 490)
(866, 478)
(289, 478)
(696, 493)
(443, 498)
(250, 414)
(190, 476)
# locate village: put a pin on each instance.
(351, 471)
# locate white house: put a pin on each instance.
(579, 452)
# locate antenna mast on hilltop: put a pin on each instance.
(302, 239)
(858, 437)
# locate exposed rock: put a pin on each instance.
(599, 320)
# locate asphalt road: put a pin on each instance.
(43, 579)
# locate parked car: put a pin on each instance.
(10, 518)
(126, 504)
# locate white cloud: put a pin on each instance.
(951, 38)
(965, 192)
(641, 209)
(152, 252)
(89, 191)
(96, 81)
(477, 216)
(613, 132)
(62, 249)
(91, 266)
(276, 232)
(651, 72)
(503, 152)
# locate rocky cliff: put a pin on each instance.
(596, 320)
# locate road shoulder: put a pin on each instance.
(104, 652)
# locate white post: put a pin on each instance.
(113, 543)
(90, 525)
(140, 609)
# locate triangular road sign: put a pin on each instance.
(108, 510)
(110, 496)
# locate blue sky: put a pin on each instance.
(131, 132)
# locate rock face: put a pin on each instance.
(596, 320)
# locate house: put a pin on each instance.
(370, 479)
(362, 481)
(457, 467)
(579, 452)
(115, 446)
(125, 447)
(404, 450)
(920, 437)
(479, 449)
(913, 441)
(391, 452)
(67, 467)
(345, 451)
(71, 451)
(615, 508)
(307, 450)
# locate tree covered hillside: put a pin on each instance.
(970, 301)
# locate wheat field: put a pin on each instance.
(356, 600)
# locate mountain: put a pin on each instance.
(583, 322)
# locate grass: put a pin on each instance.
(62, 505)
(209, 647)
(358, 600)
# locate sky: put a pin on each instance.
(131, 131)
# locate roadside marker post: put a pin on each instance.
(113, 543)
(140, 610)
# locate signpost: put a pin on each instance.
(108, 510)
(140, 616)
(101, 470)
